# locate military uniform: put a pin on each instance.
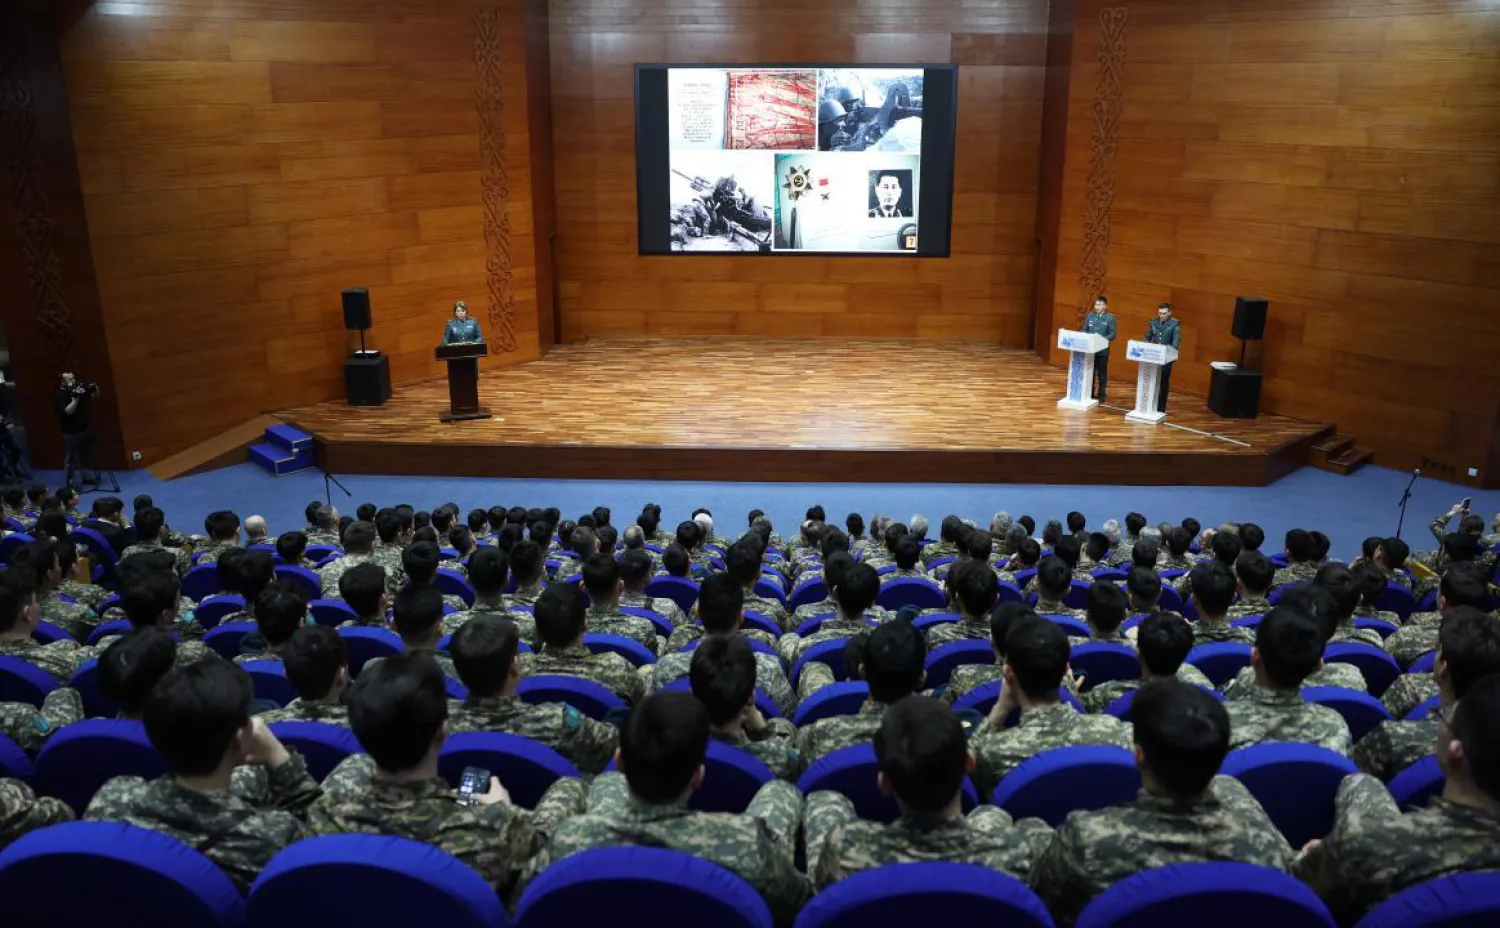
(841, 844)
(1392, 746)
(524, 596)
(86, 594)
(22, 810)
(684, 635)
(756, 846)
(1282, 715)
(1042, 728)
(1298, 572)
(770, 608)
(665, 608)
(330, 573)
(496, 840)
(525, 622)
(76, 619)
(1100, 697)
(590, 745)
(212, 550)
(60, 658)
(440, 658)
(184, 560)
(1165, 332)
(1370, 612)
(609, 670)
(966, 628)
(966, 677)
(1123, 553)
(30, 727)
(239, 829)
(769, 676)
(1375, 852)
(1414, 638)
(309, 710)
(1046, 606)
(901, 573)
(1094, 850)
(1409, 691)
(609, 620)
(1248, 606)
(1344, 676)
(317, 536)
(776, 747)
(841, 731)
(1348, 631)
(1213, 631)
(792, 646)
(1097, 323)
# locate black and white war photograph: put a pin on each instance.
(721, 200)
(870, 109)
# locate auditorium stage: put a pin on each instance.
(784, 410)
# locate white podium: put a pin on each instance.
(1150, 357)
(1083, 346)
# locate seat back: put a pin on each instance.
(675, 887)
(1417, 783)
(1383, 628)
(1398, 599)
(46, 632)
(1010, 593)
(1462, 900)
(102, 552)
(304, 579)
(913, 893)
(628, 648)
(527, 768)
(14, 763)
(225, 639)
(86, 681)
(452, 583)
(1295, 784)
(1077, 596)
(1379, 668)
(1050, 785)
(911, 591)
(201, 582)
(23, 681)
(1424, 708)
(732, 778)
(214, 609)
(923, 622)
(763, 701)
(323, 745)
(316, 553)
(766, 587)
(839, 699)
(1102, 661)
(679, 590)
(1170, 600)
(812, 590)
(332, 612)
(123, 871)
(76, 761)
(755, 645)
(1122, 707)
(1207, 894)
(12, 543)
(1220, 661)
(1069, 624)
(760, 622)
(830, 652)
(372, 880)
(1424, 663)
(1360, 710)
(365, 644)
(269, 679)
(659, 622)
(105, 629)
(588, 697)
(852, 771)
(942, 660)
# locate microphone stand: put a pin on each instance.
(1405, 498)
(330, 481)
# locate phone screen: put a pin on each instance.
(1467, 502)
(475, 781)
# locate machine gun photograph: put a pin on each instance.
(861, 109)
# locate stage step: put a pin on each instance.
(1339, 455)
(286, 450)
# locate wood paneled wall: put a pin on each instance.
(245, 160)
(1341, 159)
(983, 292)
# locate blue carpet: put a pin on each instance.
(1346, 508)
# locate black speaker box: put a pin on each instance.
(1249, 318)
(1234, 394)
(357, 308)
(367, 379)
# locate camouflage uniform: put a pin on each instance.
(1344, 676)
(769, 676)
(188, 652)
(966, 628)
(317, 536)
(76, 619)
(525, 623)
(1281, 715)
(665, 608)
(1100, 697)
(1046, 606)
(684, 635)
(309, 710)
(916, 573)
(1300, 572)
(1374, 851)
(770, 608)
(1214, 631)
(792, 646)
(239, 829)
(21, 811)
(524, 596)
(1042, 728)
(212, 550)
(1124, 552)
(1095, 850)
(1416, 637)
(567, 567)
(588, 744)
(971, 676)
(937, 549)
(775, 747)
(442, 660)
(183, 557)
(1370, 612)
(841, 844)
(1347, 631)
(30, 727)
(86, 594)
(329, 574)
(496, 840)
(1392, 746)
(1248, 606)
(841, 731)
(756, 846)
(60, 658)
(609, 670)
(609, 620)
(1115, 637)
(1409, 691)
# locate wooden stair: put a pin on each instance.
(1339, 455)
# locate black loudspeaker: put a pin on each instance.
(357, 309)
(1249, 318)
(367, 380)
(1234, 394)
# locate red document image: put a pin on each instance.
(772, 110)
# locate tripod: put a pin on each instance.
(329, 482)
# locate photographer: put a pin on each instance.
(74, 403)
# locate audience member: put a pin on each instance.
(561, 620)
(363, 587)
(317, 667)
(1213, 593)
(1288, 647)
(891, 663)
(723, 677)
(601, 579)
(720, 614)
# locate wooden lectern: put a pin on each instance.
(463, 381)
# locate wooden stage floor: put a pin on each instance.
(784, 410)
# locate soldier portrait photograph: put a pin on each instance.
(890, 194)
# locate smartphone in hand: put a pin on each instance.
(475, 782)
